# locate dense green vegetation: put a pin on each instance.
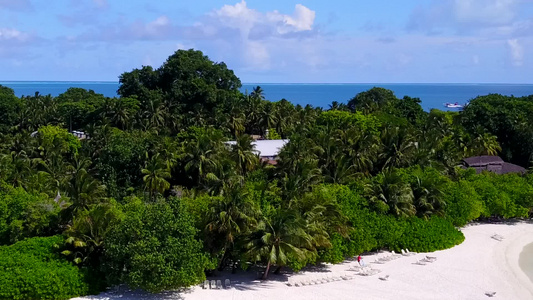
(34, 269)
(156, 199)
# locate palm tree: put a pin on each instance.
(199, 154)
(428, 196)
(322, 215)
(87, 232)
(398, 147)
(229, 218)
(156, 172)
(389, 193)
(120, 113)
(279, 239)
(83, 191)
(242, 152)
(258, 93)
(267, 117)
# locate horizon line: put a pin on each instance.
(287, 83)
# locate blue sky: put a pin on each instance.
(308, 41)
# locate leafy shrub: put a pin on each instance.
(426, 236)
(463, 203)
(24, 215)
(33, 269)
(154, 248)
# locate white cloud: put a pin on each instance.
(517, 52)
(247, 20)
(485, 17)
(257, 33)
(485, 11)
(10, 34)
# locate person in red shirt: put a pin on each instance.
(360, 261)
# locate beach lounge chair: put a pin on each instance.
(205, 284)
(420, 262)
(212, 284)
(384, 278)
(227, 283)
(321, 279)
(354, 269)
(314, 279)
(304, 281)
(497, 237)
(346, 276)
(379, 260)
(395, 255)
(386, 257)
(219, 284)
(369, 272)
(409, 252)
(430, 258)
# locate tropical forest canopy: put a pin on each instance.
(155, 199)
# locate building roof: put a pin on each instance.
(266, 148)
(492, 164)
(478, 161)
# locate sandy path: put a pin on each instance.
(481, 264)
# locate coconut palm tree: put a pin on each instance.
(156, 172)
(428, 195)
(83, 190)
(200, 154)
(389, 193)
(87, 232)
(242, 153)
(258, 93)
(231, 217)
(280, 238)
(398, 147)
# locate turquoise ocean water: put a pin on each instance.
(432, 95)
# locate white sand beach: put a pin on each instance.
(478, 266)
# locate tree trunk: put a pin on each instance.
(222, 263)
(265, 275)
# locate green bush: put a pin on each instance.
(372, 231)
(427, 236)
(463, 203)
(33, 269)
(25, 215)
(154, 247)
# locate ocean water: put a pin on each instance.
(432, 95)
(526, 261)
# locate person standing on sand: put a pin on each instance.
(360, 261)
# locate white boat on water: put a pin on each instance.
(453, 105)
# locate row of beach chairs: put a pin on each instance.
(216, 284)
(318, 279)
(392, 256)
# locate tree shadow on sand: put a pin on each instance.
(123, 292)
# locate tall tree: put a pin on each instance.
(156, 172)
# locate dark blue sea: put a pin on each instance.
(432, 95)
